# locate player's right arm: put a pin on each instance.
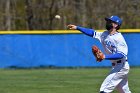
(87, 31)
(94, 34)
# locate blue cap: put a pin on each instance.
(115, 19)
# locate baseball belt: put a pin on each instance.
(120, 61)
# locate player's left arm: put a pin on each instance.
(115, 56)
(99, 55)
(121, 50)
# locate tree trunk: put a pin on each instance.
(8, 16)
(84, 17)
(51, 14)
(29, 14)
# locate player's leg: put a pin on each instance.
(116, 76)
(123, 86)
(109, 83)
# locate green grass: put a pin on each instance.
(59, 80)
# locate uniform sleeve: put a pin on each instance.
(114, 56)
(122, 47)
(87, 31)
(97, 35)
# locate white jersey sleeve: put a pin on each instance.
(122, 46)
(97, 35)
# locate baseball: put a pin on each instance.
(57, 16)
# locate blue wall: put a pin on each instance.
(64, 50)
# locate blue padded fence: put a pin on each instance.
(63, 50)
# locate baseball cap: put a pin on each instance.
(115, 19)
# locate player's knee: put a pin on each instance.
(102, 92)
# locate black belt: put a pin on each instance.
(113, 64)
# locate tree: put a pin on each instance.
(29, 14)
(40, 14)
(7, 16)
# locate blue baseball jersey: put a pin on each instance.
(112, 44)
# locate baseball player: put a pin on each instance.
(116, 50)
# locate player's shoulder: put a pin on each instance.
(105, 33)
(118, 34)
(118, 37)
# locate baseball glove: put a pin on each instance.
(97, 53)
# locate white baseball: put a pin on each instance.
(57, 16)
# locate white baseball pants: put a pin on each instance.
(117, 78)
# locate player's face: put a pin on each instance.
(110, 24)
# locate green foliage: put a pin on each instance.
(39, 14)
